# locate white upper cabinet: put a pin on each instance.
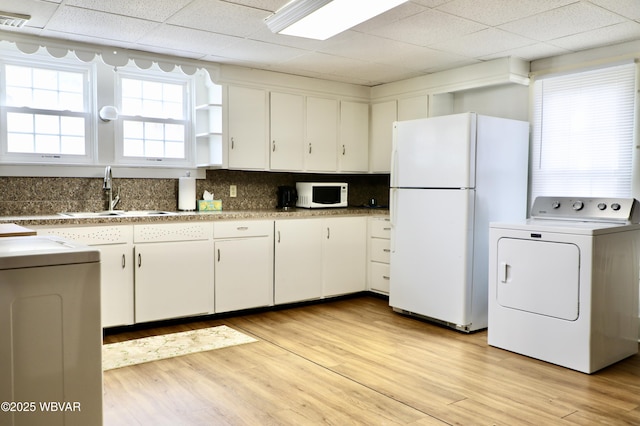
(287, 131)
(353, 149)
(383, 114)
(321, 135)
(247, 130)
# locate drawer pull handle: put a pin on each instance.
(386, 250)
(385, 277)
(387, 229)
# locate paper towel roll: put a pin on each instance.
(187, 193)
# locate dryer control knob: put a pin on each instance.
(578, 205)
(615, 206)
(602, 206)
(555, 204)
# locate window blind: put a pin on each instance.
(583, 132)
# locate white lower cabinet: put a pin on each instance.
(344, 253)
(116, 267)
(379, 253)
(243, 259)
(298, 260)
(173, 270)
(319, 257)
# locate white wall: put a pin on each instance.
(507, 101)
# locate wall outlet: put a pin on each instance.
(233, 191)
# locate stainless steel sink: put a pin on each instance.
(118, 213)
(92, 214)
(147, 213)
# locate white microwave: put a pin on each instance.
(319, 195)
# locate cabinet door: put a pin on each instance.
(247, 138)
(298, 260)
(382, 117)
(287, 131)
(353, 150)
(243, 273)
(116, 275)
(344, 255)
(173, 279)
(322, 135)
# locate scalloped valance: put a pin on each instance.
(112, 56)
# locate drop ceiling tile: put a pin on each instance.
(529, 53)
(219, 17)
(564, 21)
(612, 34)
(428, 27)
(100, 25)
(399, 12)
(484, 42)
(157, 10)
(186, 39)
(376, 74)
(259, 52)
(270, 5)
(322, 63)
(496, 12)
(628, 8)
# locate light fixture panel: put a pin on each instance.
(10, 19)
(322, 19)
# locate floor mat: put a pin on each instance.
(137, 351)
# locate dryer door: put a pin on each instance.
(540, 277)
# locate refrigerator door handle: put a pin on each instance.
(393, 201)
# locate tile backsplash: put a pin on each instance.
(21, 196)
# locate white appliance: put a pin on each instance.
(319, 195)
(451, 176)
(563, 285)
(50, 332)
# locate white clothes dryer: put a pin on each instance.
(563, 285)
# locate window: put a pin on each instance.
(45, 113)
(155, 119)
(583, 133)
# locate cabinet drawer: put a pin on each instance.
(187, 231)
(379, 277)
(93, 235)
(245, 228)
(379, 250)
(380, 227)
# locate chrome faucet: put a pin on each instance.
(107, 186)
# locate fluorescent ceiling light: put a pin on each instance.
(10, 19)
(321, 19)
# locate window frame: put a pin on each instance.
(619, 187)
(88, 72)
(187, 82)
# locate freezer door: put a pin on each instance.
(431, 253)
(436, 152)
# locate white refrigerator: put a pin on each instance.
(450, 176)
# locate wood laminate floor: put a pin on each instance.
(356, 362)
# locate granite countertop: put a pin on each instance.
(57, 219)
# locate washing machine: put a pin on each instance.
(50, 332)
(563, 285)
